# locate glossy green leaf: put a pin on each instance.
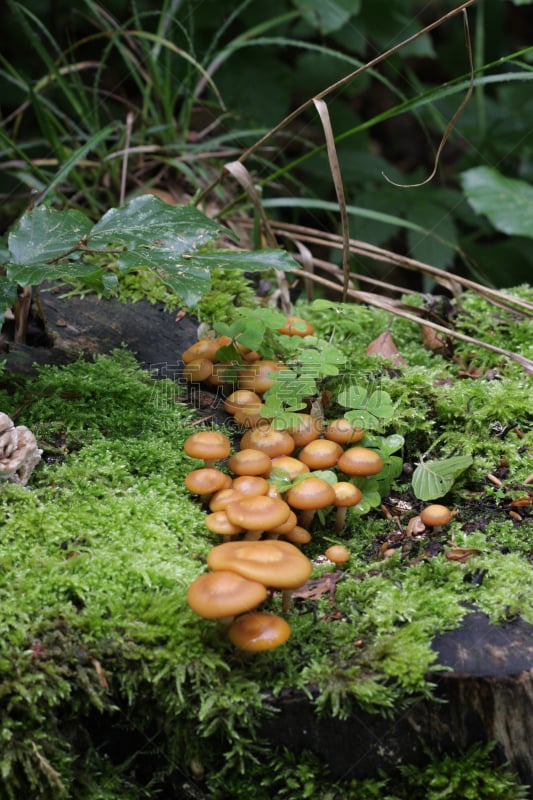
(146, 224)
(34, 274)
(43, 234)
(432, 479)
(252, 261)
(507, 202)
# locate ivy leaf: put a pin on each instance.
(370, 408)
(34, 274)
(507, 202)
(434, 479)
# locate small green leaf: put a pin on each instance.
(434, 479)
(44, 234)
(507, 202)
(34, 274)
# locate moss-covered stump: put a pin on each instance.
(485, 695)
(112, 688)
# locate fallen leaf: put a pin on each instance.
(430, 339)
(385, 346)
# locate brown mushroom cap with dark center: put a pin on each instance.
(269, 440)
(223, 594)
(258, 631)
(209, 445)
(360, 461)
(277, 564)
(258, 514)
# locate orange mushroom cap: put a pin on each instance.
(310, 493)
(250, 461)
(220, 499)
(197, 370)
(259, 513)
(320, 454)
(337, 553)
(203, 348)
(343, 432)
(297, 326)
(218, 522)
(250, 484)
(269, 440)
(255, 376)
(216, 595)
(360, 461)
(209, 445)
(240, 398)
(435, 515)
(206, 480)
(274, 563)
(305, 429)
(259, 631)
(292, 466)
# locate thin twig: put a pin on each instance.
(124, 174)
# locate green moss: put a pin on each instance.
(98, 645)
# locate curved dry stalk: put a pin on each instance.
(336, 174)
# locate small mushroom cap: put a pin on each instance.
(269, 440)
(360, 461)
(346, 494)
(250, 461)
(216, 595)
(320, 454)
(435, 514)
(258, 513)
(310, 493)
(206, 480)
(337, 553)
(249, 416)
(218, 522)
(210, 445)
(258, 631)
(341, 431)
(274, 563)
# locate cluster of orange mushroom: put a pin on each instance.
(262, 525)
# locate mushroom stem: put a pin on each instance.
(286, 600)
(340, 518)
(306, 517)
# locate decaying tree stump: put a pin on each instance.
(486, 695)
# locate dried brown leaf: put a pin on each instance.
(384, 345)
